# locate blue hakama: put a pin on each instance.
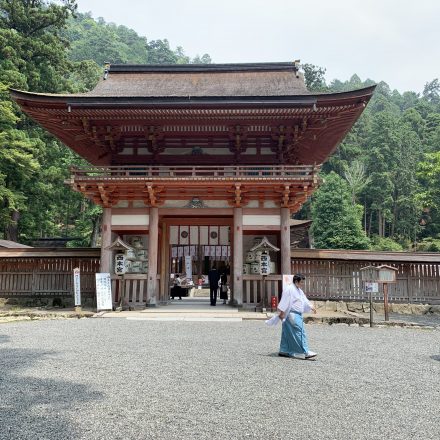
(293, 336)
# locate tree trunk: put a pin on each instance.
(370, 222)
(11, 231)
(379, 223)
(95, 231)
(365, 215)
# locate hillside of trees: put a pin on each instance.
(380, 190)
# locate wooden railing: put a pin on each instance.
(257, 290)
(291, 172)
(336, 275)
(135, 289)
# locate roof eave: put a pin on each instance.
(122, 101)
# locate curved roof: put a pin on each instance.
(244, 113)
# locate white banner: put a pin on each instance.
(77, 286)
(103, 291)
(188, 266)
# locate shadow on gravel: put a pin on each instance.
(436, 357)
(4, 338)
(32, 407)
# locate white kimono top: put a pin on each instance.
(293, 299)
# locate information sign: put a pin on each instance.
(77, 286)
(103, 292)
(372, 287)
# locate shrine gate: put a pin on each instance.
(197, 161)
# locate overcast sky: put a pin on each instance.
(397, 41)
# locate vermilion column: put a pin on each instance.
(153, 243)
(106, 240)
(286, 266)
(238, 256)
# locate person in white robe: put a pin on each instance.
(291, 308)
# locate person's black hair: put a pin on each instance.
(298, 277)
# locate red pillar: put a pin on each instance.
(153, 243)
(238, 256)
(106, 240)
(286, 265)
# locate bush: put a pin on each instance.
(385, 244)
(430, 244)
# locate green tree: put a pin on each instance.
(336, 220)
(431, 91)
(429, 197)
(314, 77)
(159, 52)
(32, 56)
(355, 175)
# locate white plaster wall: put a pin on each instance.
(261, 220)
(130, 220)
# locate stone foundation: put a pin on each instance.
(360, 307)
(55, 301)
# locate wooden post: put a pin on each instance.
(153, 242)
(385, 301)
(286, 265)
(106, 240)
(238, 257)
(162, 262)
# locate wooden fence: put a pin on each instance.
(47, 272)
(330, 275)
(335, 275)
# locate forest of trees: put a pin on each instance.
(380, 190)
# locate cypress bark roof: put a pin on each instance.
(262, 79)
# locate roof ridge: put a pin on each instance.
(226, 67)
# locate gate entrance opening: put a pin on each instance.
(194, 250)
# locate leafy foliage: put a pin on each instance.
(385, 244)
(107, 42)
(46, 47)
(388, 159)
(336, 220)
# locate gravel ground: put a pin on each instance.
(428, 319)
(119, 379)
